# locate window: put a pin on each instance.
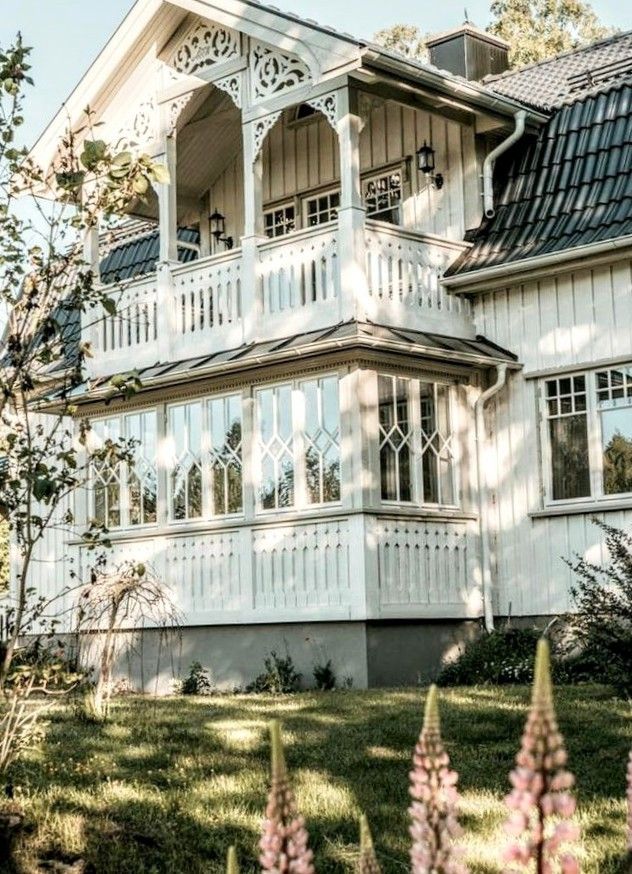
(321, 209)
(279, 221)
(383, 197)
(185, 480)
(416, 443)
(225, 455)
(125, 494)
(589, 434)
(298, 439)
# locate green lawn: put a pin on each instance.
(167, 785)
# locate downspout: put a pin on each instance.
(483, 516)
(520, 118)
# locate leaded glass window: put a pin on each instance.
(106, 476)
(142, 476)
(225, 447)
(321, 439)
(436, 444)
(185, 434)
(275, 436)
(395, 438)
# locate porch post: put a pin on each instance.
(253, 233)
(168, 250)
(351, 216)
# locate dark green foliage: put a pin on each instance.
(197, 682)
(504, 656)
(279, 678)
(325, 677)
(600, 630)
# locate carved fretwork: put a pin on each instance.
(207, 44)
(140, 131)
(260, 131)
(232, 86)
(328, 105)
(176, 108)
(273, 72)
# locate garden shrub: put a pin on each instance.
(599, 640)
(280, 677)
(325, 677)
(506, 655)
(197, 682)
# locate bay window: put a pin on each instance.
(588, 434)
(415, 441)
(298, 443)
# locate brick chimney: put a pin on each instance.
(469, 52)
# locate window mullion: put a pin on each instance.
(205, 461)
(298, 441)
(594, 438)
(416, 459)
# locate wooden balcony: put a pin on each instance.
(296, 283)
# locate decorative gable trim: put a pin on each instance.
(139, 131)
(205, 45)
(273, 72)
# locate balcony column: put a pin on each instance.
(354, 292)
(253, 233)
(168, 249)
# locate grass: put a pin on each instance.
(167, 785)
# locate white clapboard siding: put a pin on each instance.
(427, 568)
(577, 319)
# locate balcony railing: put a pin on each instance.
(294, 284)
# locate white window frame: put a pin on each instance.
(301, 502)
(374, 176)
(315, 195)
(595, 445)
(284, 205)
(416, 443)
(124, 471)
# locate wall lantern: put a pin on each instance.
(426, 163)
(218, 229)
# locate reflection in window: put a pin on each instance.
(568, 434)
(225, 451)
(614, 402)
(322, 440)
(436, 444)
(142, 474)
(383, 197)
(185, 430)
(106, 476)
(323, 208)
(395, 439)
(275, 436)
(280, 221)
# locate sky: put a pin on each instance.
(67, 35)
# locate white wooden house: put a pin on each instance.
(349, 423)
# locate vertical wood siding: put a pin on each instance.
(579, 318)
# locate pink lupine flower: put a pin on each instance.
(231, 862)
(367, 863)
(630, 805)
(433, 812)
(284, 839)
(540, 803)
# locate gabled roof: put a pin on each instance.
(569, 75)
(570, 187)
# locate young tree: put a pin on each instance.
(405, 39)
(539, 29)
(46, 284)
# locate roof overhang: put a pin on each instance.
(499, 275)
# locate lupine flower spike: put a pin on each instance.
(284, 840)
(231, 862)
(367, 863)
(540, 802)
(630, 807)
(433, 811)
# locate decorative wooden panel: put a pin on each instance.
(134, 324)
(302, 566)
(205, 572)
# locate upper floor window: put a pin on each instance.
(383, 196)
(298, 440)
(416, 441)
(589, 434)
(125, 494)
(322, 208)
(279, 221)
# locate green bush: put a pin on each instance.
(279, 677)
(325, 677)
(504, 656)
(197, 682)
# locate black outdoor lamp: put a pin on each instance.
(426, 163)
(218, 229)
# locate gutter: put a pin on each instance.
(478, 280)
(520, 119)
(483, 516)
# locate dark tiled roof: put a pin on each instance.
(137, 253)
(569, 75)
(264, 352)
(570, 187)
